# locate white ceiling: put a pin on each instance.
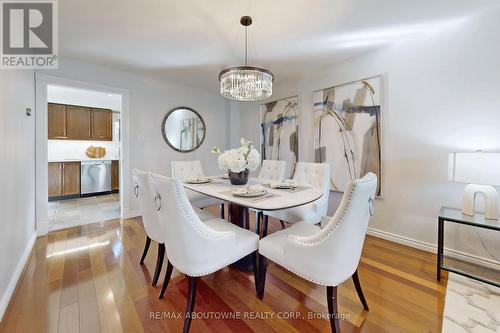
(192, 40)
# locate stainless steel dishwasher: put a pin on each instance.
(95, 177)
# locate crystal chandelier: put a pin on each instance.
(246, 83)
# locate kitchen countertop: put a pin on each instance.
(82, 160)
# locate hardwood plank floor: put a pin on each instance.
(88, 279)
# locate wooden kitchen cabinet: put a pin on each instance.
(102, 125)
(115, 176)
(78, 122)
(55, 179)
(71, 178)
(64, 180)
(57, 121)
(72, 122)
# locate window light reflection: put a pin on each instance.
(78, 249)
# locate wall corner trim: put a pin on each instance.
(14, 280)
(129, 214)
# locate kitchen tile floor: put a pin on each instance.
(74, 212)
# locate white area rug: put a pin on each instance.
(471, 306)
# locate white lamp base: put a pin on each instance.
(490, 200)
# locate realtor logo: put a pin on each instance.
(29, 34)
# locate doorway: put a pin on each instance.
(81, 153)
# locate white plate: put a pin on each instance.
(226, 176)
(250, 194)
(201, 180)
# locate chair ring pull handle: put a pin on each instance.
(371, 206)
(158, 202)
(136, 190)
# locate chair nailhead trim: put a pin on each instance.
(332, 229)
(213, 235)
(221, 266)
(321, 283)
(302, 241)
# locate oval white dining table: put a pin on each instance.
(274, 199)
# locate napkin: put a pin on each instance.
(285, 183)
(250, 189)
(197, 179)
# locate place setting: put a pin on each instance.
(288, 185)
(253, 192)
(199, 180)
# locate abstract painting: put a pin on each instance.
(280, 132)
(347, 130)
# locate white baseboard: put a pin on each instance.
(428, 247)
(42, 227)
(402, 240)
(128, 214)
(7, 295)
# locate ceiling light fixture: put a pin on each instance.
(246, 83)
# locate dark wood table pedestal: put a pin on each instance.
(239, 216)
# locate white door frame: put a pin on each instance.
(41, 129)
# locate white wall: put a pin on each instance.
(150, 100)
(441, 95)
(17, 177)
(234, 125)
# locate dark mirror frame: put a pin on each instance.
(163, 123)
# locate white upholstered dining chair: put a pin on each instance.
(195, 248)
(315, 175)
(329, 255)
(149, 219)
(270, 171)
(183, 170)
(154, 231)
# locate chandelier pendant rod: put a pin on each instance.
(246, 46)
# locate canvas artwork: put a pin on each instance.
(347, 130)
(279, 132)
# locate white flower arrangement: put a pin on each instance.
(239, 159)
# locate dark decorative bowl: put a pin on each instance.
(238, 178)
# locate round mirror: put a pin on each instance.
(183, 129)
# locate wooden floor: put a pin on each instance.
(88, 279)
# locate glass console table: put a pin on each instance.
(482, 273)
